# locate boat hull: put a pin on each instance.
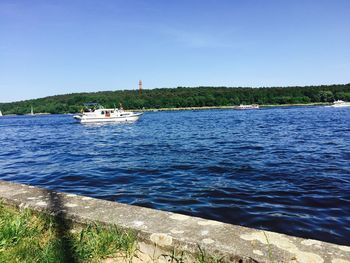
(129, 118)
(248, 107)
(340, 103)
(341, 106)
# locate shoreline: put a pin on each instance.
(234, 107)
(229, 107)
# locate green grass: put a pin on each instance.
(201, 257)
(205, 258)
(26, 236)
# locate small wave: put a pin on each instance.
(284, 169)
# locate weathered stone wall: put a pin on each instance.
(160, 231)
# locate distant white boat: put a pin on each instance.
(93, 112)
(248, 107)
(0, 113)
(340, 103)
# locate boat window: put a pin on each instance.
(102, 112)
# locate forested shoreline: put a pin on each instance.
(182, 97)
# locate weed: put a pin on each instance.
(205, 258)
(269, 248)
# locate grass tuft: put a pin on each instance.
(97, 242)
(29, 237)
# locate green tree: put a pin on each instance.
(326, 96)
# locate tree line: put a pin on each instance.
(182, 97)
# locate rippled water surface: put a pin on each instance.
(282, 169)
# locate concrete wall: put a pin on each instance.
(160, 232)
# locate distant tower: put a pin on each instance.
(140, 87)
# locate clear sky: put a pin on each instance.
(56, 47)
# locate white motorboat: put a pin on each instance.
(93, 112)
(0, 113)
(340, 103)
(248, 107)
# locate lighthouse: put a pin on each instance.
(140, 87)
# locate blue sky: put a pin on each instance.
(57, 47)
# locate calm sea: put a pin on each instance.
(281, 169)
